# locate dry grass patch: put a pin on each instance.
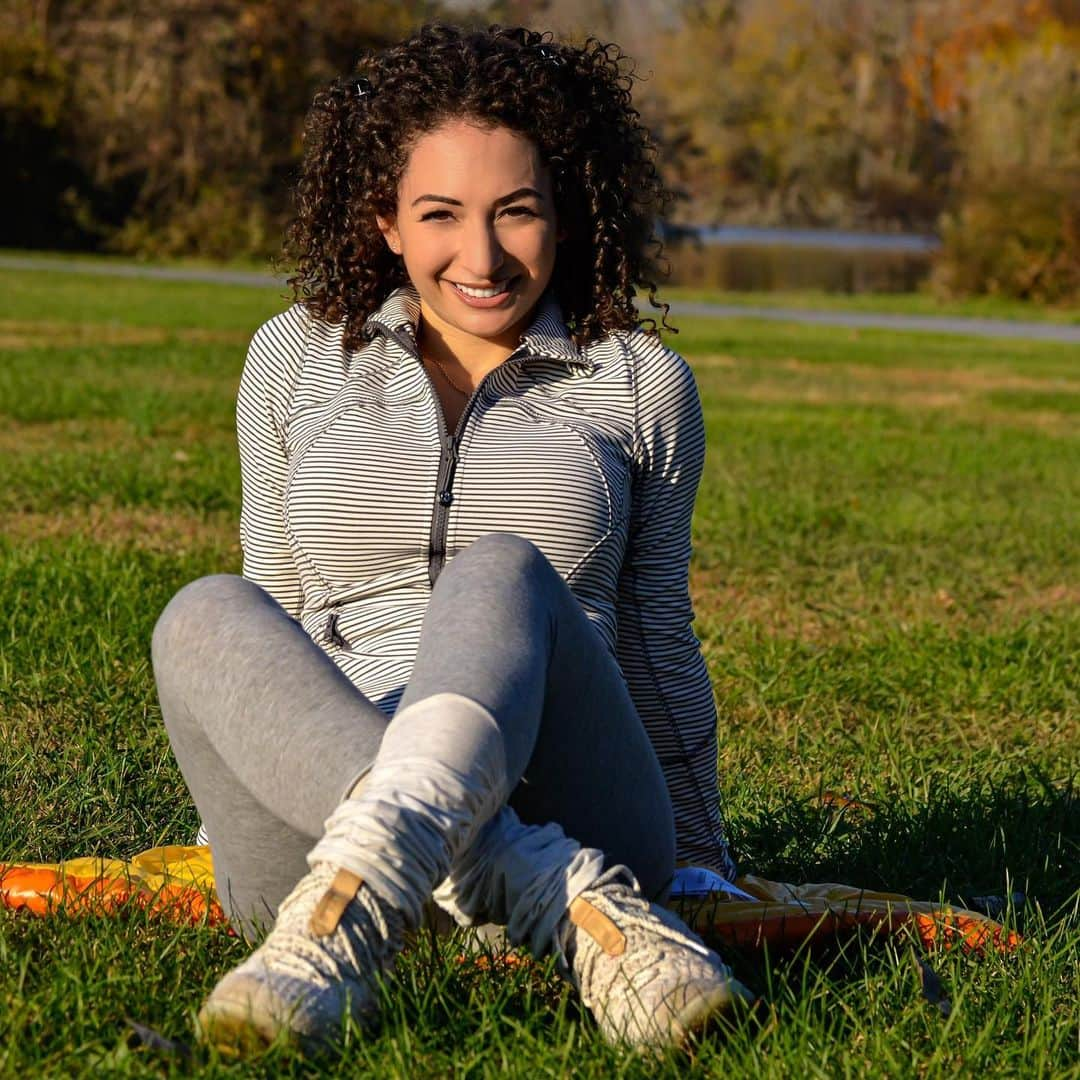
(928, 379)
(974, 380)
(837, 394)
(39, 436)
(1023, 600)
(172, 532)
(714, 360)
(32, 437)
(792, 381)
(848, 610)
(22, 334)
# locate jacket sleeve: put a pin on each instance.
(273, 362)
(656, 647)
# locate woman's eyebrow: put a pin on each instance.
(436, 198)
(520, 193)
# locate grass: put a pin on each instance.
(918, 303)
(886, 583)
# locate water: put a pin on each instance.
(770, 260)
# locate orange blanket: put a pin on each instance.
(178, 882)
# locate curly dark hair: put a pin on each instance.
(573, 102)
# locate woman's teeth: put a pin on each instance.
(482, 294)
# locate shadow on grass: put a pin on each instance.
(964, 840)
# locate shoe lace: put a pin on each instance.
(358, 947)
(655, 940)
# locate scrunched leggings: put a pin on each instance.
(270, 735)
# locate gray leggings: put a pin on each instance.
(269, 733)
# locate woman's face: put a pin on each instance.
(475, 225)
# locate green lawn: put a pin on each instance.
(887, 591)
(918, 303)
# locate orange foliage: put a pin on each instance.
(934, 68)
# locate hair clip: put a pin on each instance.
(363, 88)
(550, 55)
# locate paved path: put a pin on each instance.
(935, 324)
(135, 270)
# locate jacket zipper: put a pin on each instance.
(449, 446)
(444, 497)
(332, 635)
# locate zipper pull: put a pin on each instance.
(333, 635)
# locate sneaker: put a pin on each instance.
(649, 981)
(332, 938)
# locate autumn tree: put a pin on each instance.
(834, 111)
(182, 117)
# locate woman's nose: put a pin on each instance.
(482, 255)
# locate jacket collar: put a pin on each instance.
(546, 337)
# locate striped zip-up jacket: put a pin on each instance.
(355, 495)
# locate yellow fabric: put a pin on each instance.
(178, 881)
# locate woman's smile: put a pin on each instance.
(484, 296)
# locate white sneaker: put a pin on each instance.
(648, 980)
(332, 938)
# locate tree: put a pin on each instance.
(834, 111)
(184, 116)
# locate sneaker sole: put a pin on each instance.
(723, 1003)
(240, 1021)
(243, 1017)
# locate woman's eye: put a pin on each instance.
(436, 215)
(520, 211)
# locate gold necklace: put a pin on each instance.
(446, 376)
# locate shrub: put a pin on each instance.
(1017, 235)
(1014, 228)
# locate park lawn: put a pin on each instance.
(885, 578)
(923, 302)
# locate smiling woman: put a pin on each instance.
(480, 254)
(571, 105)
(460, 661)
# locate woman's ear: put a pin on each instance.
(388, 227)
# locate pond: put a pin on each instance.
(768, 260)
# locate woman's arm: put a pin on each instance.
(657, 649)
(273, 362)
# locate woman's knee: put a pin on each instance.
(189, 617)
(505, 554)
